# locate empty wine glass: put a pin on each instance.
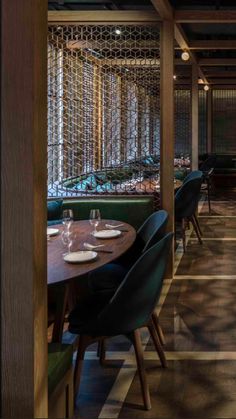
(68, 238)
(94, 219)
(67, 218)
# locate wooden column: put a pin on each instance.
(194, 117)
(209, 121)
(167, 128)
(23, 209)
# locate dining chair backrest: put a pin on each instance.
(192, 175)
(153, 229)
(138, 293)
(187, 197)
(208, 164)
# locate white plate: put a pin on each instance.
(81, 256)
(52, 231)
(107, 234)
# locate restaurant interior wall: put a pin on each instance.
(103, 106)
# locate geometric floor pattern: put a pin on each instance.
(198, 317)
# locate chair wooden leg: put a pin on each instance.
(209, 196)
(198, 225)
(183, 234)
(135, 336)
(158, 328)
(196, 229)
(161, 354)
(101, 351)
(82, 345)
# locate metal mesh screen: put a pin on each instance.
(182, 122)
(202, 117)
(224, 121)
(103, 109)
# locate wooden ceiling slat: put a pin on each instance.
(164, 9)
(205, 16)
(213, 44)
(102, 16)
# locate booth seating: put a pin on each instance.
(60, 381)
(130, 209)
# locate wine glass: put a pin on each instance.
(68, 237)
(94, 219)
(67, 218)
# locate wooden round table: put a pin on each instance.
(64, 274)
(61, 271)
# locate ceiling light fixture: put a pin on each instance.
(117, 31)
(206, 87)
(185, 56)
(174, 77)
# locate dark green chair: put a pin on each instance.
(129, 309)
(108, 277)
(207, 167)
(186, 202)
(192, 175)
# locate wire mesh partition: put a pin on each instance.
(182, 122)
(103, 109)
(202, 145)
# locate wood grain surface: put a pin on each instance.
(61, 271)
(23, 209)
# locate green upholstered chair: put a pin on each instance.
(108, 277)
(129, 309)
(60, 380)
(54, 209)
(186, 202)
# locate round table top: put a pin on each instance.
(61, 271)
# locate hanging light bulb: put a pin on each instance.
(174, 77)
(206, 87)
(117, 31)
(185, 56)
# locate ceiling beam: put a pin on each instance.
(205, 16)
(213, 44)
(223, 86)
(182, 40)
(102, 16)
(166, 12)
(164, 9)
(217, 62)
(217, 74)
(223, 81)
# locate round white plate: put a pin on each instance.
(81, 256)
(52, 231)
(107, 234)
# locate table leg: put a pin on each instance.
(62, 302)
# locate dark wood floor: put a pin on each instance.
(198, 316)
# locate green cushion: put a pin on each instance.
(54, 209)
(133, 210)
(59, 362)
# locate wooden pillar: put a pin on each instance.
(23, 209)
(209, 121)
(167, 128)
(194, 116)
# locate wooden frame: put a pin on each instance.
(167, 129)
(106, 17)
(23, 209)
(194, 117)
